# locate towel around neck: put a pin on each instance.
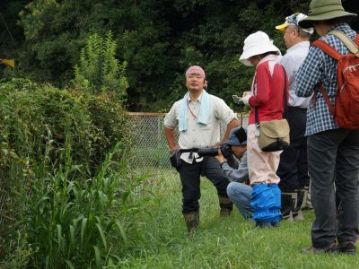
(203, 115)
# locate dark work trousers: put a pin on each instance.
(333, 159)
(293, 165)
(190, 178)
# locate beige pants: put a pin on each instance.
(262, 166)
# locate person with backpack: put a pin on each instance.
(332, 130)
(293, 166)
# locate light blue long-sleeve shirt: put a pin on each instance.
(240, 174)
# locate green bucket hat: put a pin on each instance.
(323, 10)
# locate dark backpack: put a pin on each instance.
(346, 108)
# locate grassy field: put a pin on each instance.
(219, 242)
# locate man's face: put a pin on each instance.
(321, 28)
(239, 150)
(195, 82)
(290, 35)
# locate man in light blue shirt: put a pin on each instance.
(293, 169)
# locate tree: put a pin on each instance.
(99, 70)
(157, 39)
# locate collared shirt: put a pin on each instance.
(199, 135)
(291, 61)
(318, 67)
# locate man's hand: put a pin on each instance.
(220, 157)
(171, 139)
(245, 97)
(173, 149)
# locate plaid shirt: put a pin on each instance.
(318, 67)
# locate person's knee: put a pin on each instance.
(231, 189)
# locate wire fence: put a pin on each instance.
(149, 149)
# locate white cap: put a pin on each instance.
(294, 19)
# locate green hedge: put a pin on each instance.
(39, 118)
(42, 130)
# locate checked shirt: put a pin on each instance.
(318, 67)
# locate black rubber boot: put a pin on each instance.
(289, 201)
(192, 220)
(297, 211)
(307, 203)
(226, 206)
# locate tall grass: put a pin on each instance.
(219, 242)
(72, 223)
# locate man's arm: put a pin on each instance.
(309, 73)
(169, 128)
(225, 114)
(171, 139)
(237, 175)
(232, 124)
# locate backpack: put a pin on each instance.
(346, 107)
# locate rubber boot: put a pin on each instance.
(289, 201)
(192, 220)
(226, 206)
(305, 197)
(297, 211)
(307, 204)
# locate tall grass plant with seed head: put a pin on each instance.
(80, 224)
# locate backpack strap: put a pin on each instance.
(327, 49)
(334, 54)
(350, 44)
(324, 93)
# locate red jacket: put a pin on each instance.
(268, 90)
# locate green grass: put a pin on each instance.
(219, 242)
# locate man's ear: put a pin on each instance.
(205, 84)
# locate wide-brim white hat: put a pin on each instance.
(256, 44)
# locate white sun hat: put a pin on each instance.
(256, 44)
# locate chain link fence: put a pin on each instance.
(149, 149)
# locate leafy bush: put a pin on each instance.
(34, 117)
(43, 131)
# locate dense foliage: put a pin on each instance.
(34, 117)
(158, 40)
(57, 171)
(68, 196)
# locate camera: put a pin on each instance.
(225, 149)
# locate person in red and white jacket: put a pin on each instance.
(267, 95)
